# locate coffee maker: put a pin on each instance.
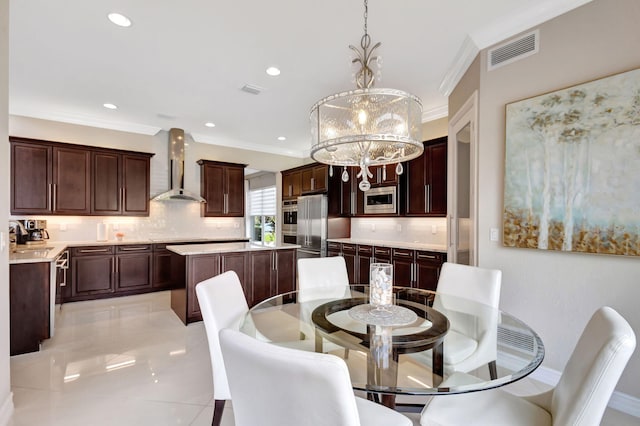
(36, 232)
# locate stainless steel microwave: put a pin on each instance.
(381, 200)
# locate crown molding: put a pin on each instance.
(435, 113)
(247, 146)
(496, 32)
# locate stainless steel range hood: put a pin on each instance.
(176, 166)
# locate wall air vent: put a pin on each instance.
(250, 88)
(513, 50)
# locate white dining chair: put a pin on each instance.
(579, 398)
(223, 305)
(276, 386)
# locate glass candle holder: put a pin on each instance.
(380, 287)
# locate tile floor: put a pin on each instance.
(130, 361)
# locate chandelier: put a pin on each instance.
(366, 126)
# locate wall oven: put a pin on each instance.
(381, 200)
(289, 221)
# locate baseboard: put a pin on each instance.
(619, 401)
(6, 409)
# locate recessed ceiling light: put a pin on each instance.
(273, 71)
(110, 106)
(209, 124)
(119, 20)
(282, 138)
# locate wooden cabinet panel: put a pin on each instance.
(349, 253)
(291, 184)
(29, 306)
(222, 185)
(334, 249)
(384, 175)
(92, 275)
(68, 179)
(162, 270)
(30, 179)
(285, 279)
(315, 179)
(382, 254)
(71, 181)
(135, 185)
(402, 260)
(134, 267)
(428, 267)
(239, 263)
(199, 268)
(106, 183)
(426, 181)
(261, 266)
(365, 256)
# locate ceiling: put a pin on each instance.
(182, 63)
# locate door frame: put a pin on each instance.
(467, 114)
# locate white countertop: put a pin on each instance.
(50, 250)
(439, 248)
(195, 249)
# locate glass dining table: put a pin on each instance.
(426, 343)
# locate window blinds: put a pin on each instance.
(262, 202)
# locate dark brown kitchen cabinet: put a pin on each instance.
(426, 181)
(71, 181)
(92, 271)
(428, 265)
(133, 267)
(168, 268)
(349, 252)
(315, 179)
(364, 261)
(334, 249)
(383, 175)
(28, 306)
(67, 179)
(261, 267)
(382, 254)
(120, 184)
(403, 264)
(341, 195)
(222, 185)
(284, 275)
(198, 268)
(239, 263)
(48, 179)
(291, 184)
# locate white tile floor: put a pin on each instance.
(130, 361)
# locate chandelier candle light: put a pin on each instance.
(366, 126)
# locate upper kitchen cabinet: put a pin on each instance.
(222, 185)
(426, 181)
(120, 184)
(291, 184)
(315, 179)
(68, 179)
(383, 175)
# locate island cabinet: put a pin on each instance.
(262, 273)
(28, 306)
(67, 179)
(222, 185)
(425, 182)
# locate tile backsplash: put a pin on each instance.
(402, 229)
(166, 220)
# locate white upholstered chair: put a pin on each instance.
(579, 399)
(223, 305)
(277, 386)
(472, 337)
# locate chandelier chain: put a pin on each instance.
(366, 15)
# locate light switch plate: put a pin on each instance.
(494, 234)
(3, 244)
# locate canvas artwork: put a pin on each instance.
(572, 169)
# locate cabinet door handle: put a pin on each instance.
(313, 183)
(400, 253)
(225, 207)
(122, 200)
(133, 248)
(427, 198)
(50, 197)
(426, 256)
(55, 196)
(94, 251)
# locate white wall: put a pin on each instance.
(6, 399)
(557, 292)
(166, 219)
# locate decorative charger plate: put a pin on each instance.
(394, 316)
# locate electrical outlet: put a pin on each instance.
(373, 227)
(494, 234)
(434, 229)
(63, 227)
(115, 227)
(2, 242)
(236, 225)
(398, 228)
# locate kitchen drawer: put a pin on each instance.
(382, 251)
(333, 246)
(348, 248)
(402, 253)
(133, 248)
(92, 251)
(429, 256)
(365, 250)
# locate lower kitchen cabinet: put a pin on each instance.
(402, 261)
(284, 274)
(364, 261)
(28, 306)
(334, 249)
(428, 265)
(349, 253)
(261, 266)
(133, 267)
(92, 272)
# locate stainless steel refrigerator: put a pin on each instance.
(312, 226)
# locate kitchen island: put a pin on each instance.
(264, 271)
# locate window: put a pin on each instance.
(262, 215)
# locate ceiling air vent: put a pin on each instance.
(513, 50)
(254, 90)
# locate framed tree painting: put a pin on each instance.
(572, 169)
